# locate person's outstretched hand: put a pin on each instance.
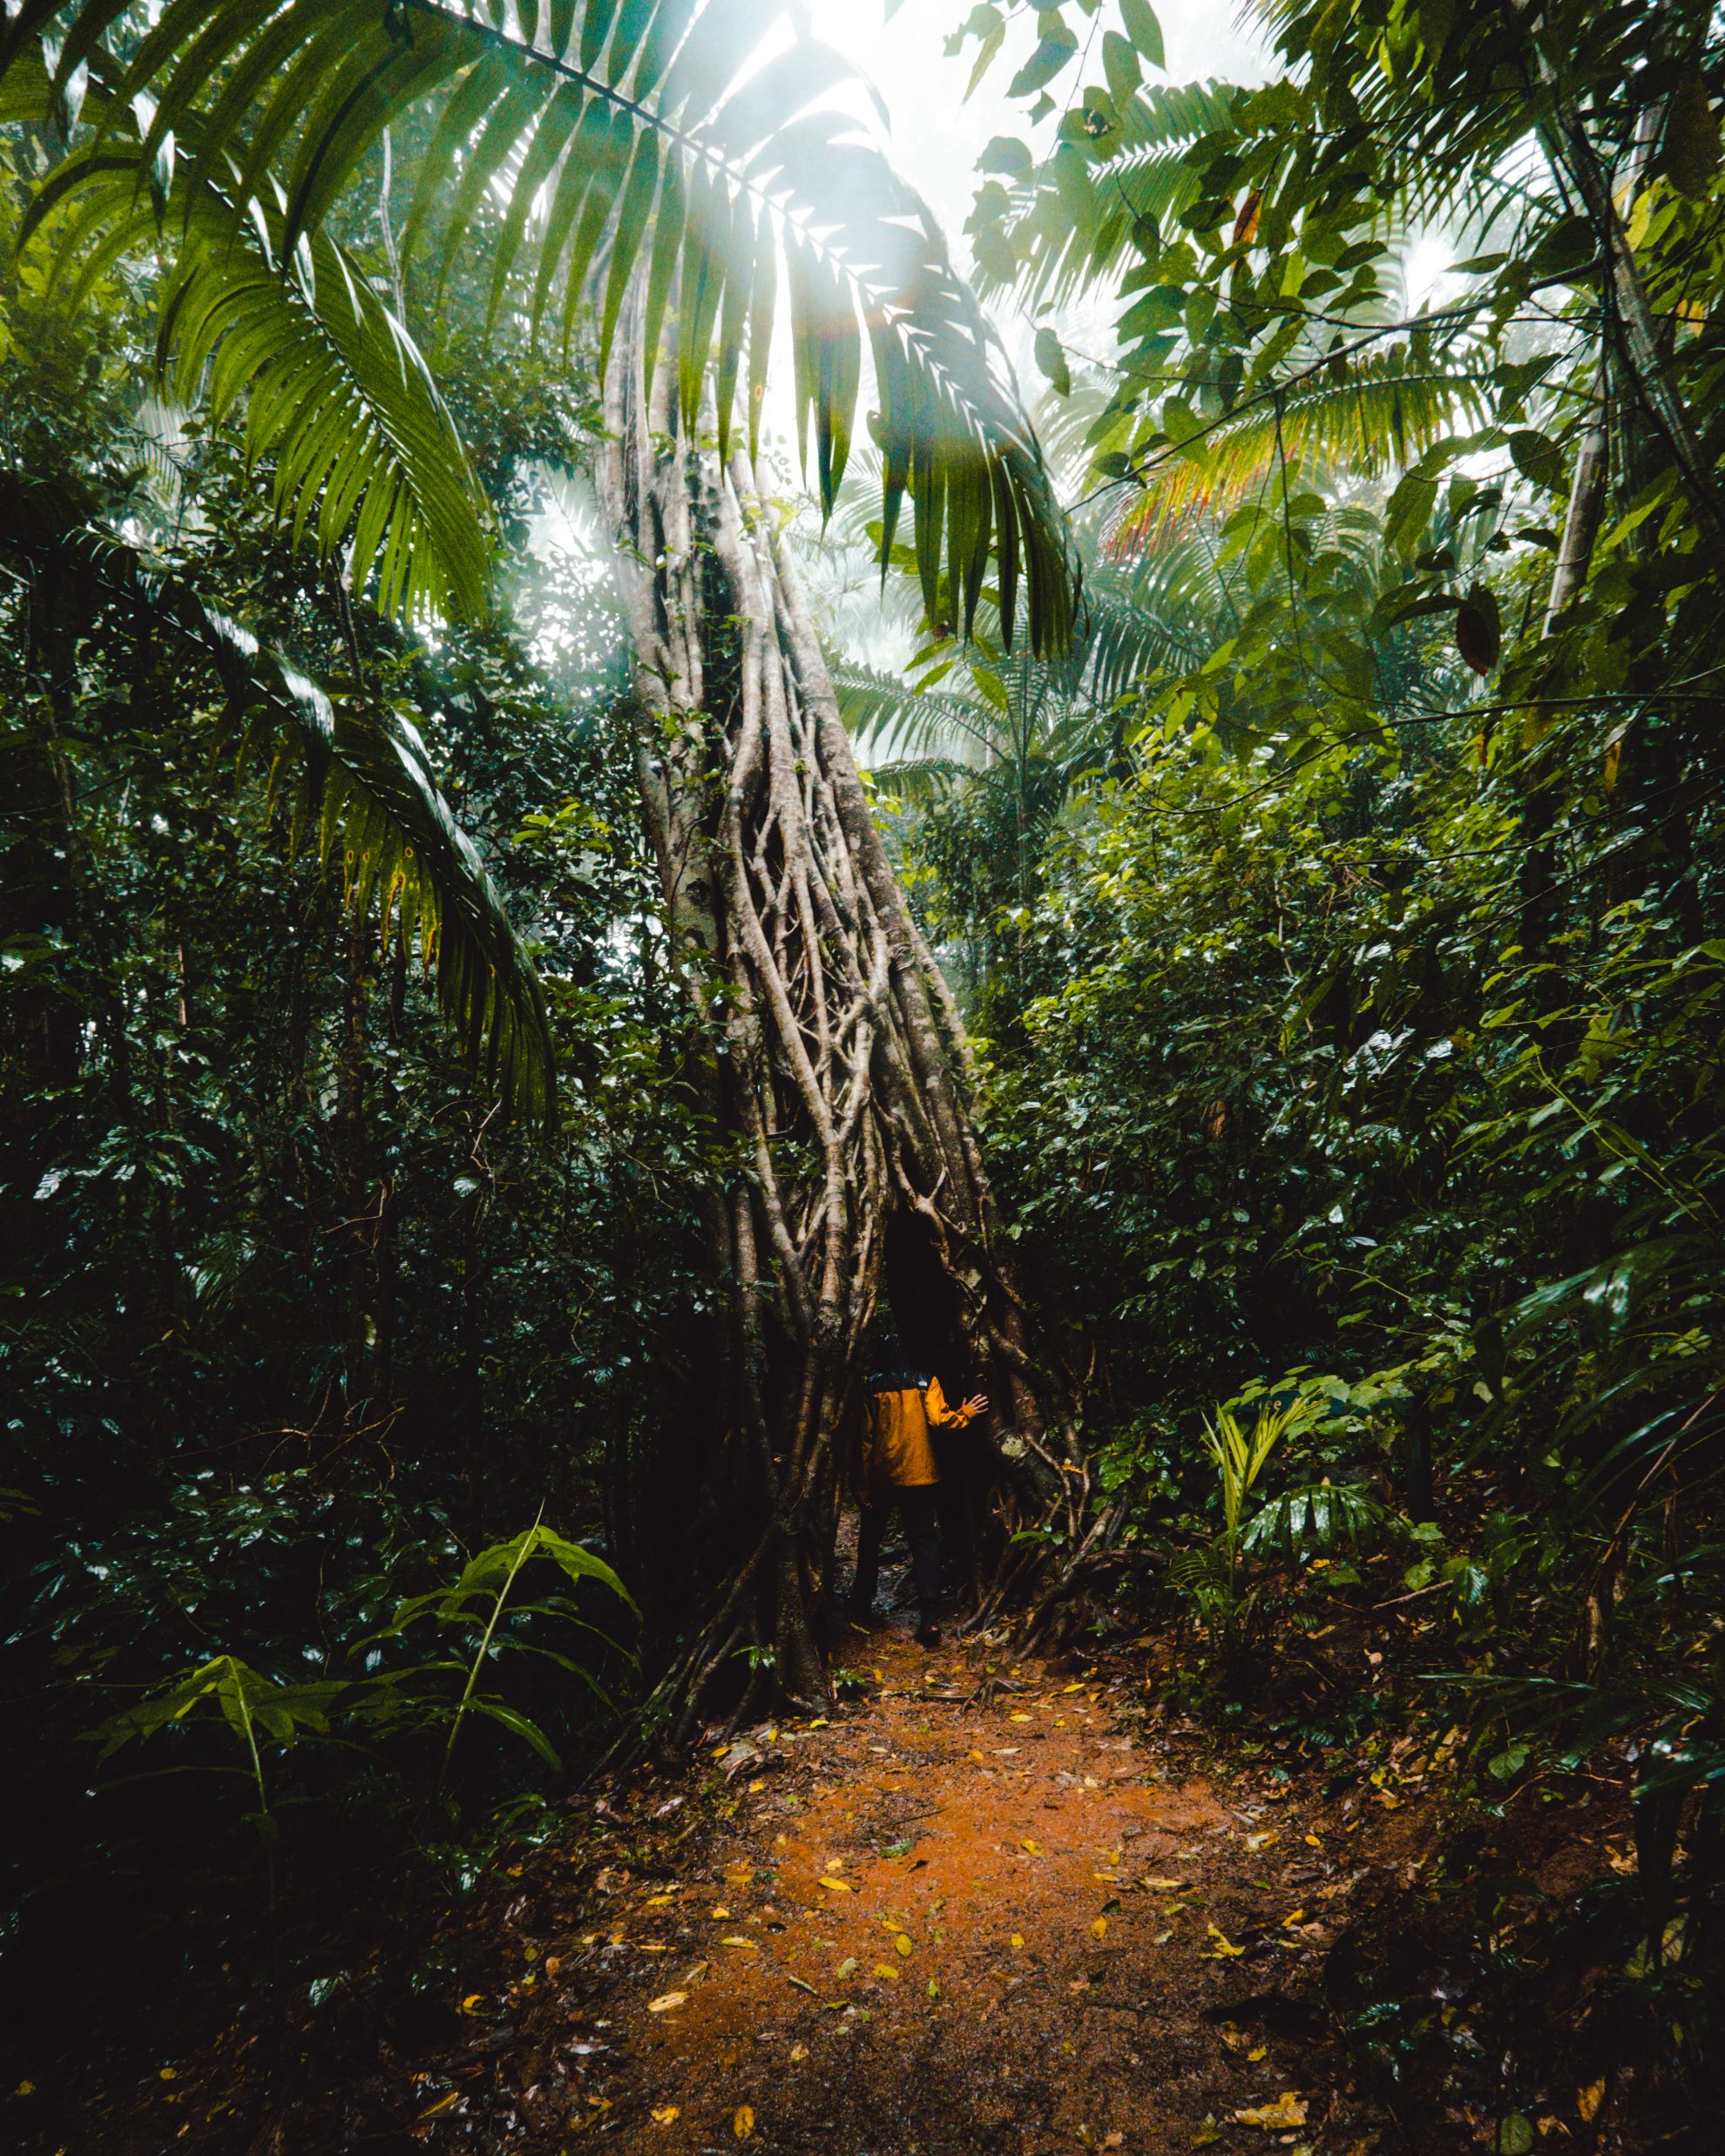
(975, 1404)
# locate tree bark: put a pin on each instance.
(838, 1080)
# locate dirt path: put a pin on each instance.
(972, 1913)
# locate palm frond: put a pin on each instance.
(887, 715)
(1068, 224)
(1375, 414)
(337, 399)
(663, 140)
(360, 786)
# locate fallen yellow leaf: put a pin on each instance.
(886, 1970)
(1287, 2111)
(1293, 1916)
(1587, 2101)
(747, 1943)
(660, 1901)
(1224, 1946)
(1021, 1717)
(798, 2051)
(1206, 2133)
(837, 1886)
(1099, 1929)
(1018, 1942)
(666, 2001)
(903, 1944)
(1162, 1886)
(846, 1967)
(473, 2002)
(442, 2104)
(979, 1758)
(1257, 2052)
(1255, 1841)
(1035, 1848)
(666, 2114)
(743, 2125)
(721, 1914)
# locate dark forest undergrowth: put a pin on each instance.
(986, 1905)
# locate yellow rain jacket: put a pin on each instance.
(897, 1453)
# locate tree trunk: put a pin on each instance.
(839, 1072)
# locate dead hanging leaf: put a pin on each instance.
(743, 2125)
(1246, 223)
(1587, 2101)
(1224, 1948)
(666, 2114)
(1288, 2110)
(1479, 633)
(667, 2002)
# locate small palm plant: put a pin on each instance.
(481, 1617)
(1211, 1574)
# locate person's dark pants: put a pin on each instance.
(921, 1521)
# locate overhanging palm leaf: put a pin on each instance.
(658, 139)
(361, 787)
(365, 456)
(1376, 415)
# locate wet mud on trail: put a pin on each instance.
(974, 1911)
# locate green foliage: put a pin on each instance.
(657, 162)
(259, 1709)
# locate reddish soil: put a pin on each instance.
(971, 1913)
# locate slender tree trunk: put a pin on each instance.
(839, 1075)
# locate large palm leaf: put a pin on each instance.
(337, 396)
(668, 146)
(356, 774)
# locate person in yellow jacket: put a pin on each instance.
(899, 1467)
